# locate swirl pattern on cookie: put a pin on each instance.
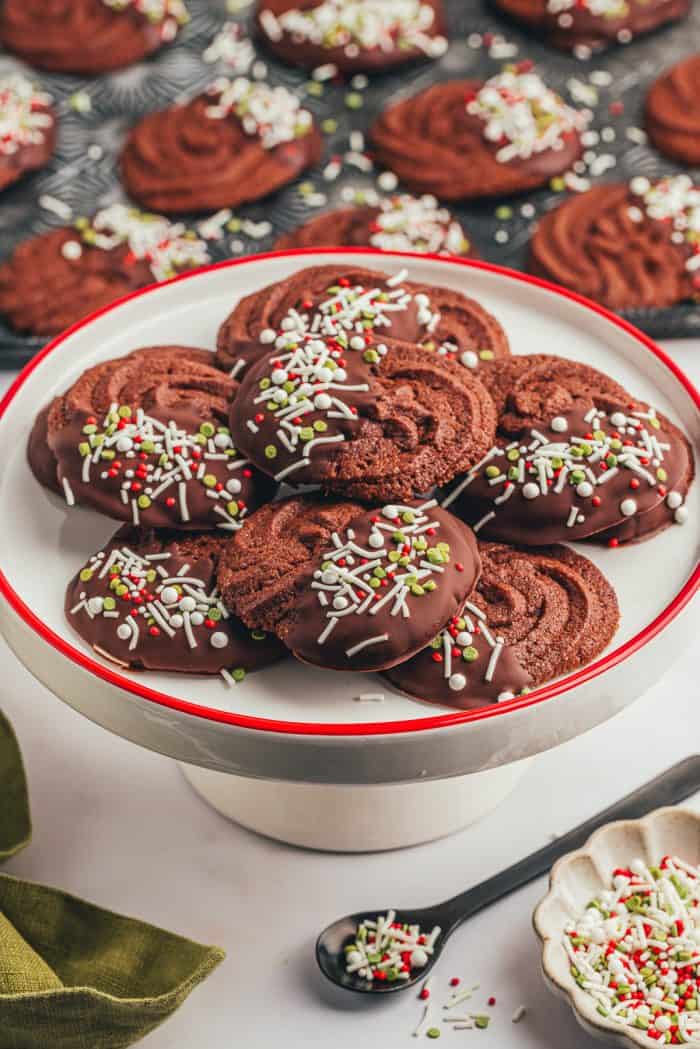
(364, 597)
(368, 420)
(584, 26)
(352, 302)
(398, 223)
(53, 280)
(352, 35)
(572, 463)
(145, 439)
(673, 112)
(625, 245)
(149, 601)
(465, 138)
(27, 128)
(88, 36)
(535, 614)
(238, 141)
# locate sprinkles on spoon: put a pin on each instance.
(384, 949)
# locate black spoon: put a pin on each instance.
(671, 787)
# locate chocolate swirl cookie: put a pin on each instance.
(625, 245)
(236, 142)
(572, 462)
(375, 422)
(28, 123)
(352, 303)
(466, 138)
(144, 438)
(399, 223)
(534, 615)
(352, 35)
(584, 26)
(673, 112)
(149, 601)
(350, 589)
(88, 36)
(53, 280)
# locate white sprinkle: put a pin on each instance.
(350, 652)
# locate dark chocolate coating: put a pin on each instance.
(285, 556)
(171, 384)
(389, 430)
(673, 111)
(603, 244)
(221, 642)
(435, 146)
(594, 31)
(42, 461)
(588, 471)
(79, 36)
(309, 54)
(181, 159)
(463, 321)
(552, 609)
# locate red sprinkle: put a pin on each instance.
(454, 981)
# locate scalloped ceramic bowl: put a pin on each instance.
(580, 875)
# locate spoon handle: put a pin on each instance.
(671, 787)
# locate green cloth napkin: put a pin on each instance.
(15, 823)
(72, 975)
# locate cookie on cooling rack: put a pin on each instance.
(88, 36)
(28, 128)
(673, 112)
(237, 142)
(464, 139)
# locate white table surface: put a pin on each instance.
(120, 826)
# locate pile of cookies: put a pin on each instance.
(241, 139)
(363, 477)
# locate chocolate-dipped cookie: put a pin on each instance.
(466, 138)
(149, 601)
(238, 141)
(88, 36)
(53, 280)
(673, 111)
(28, 128)
(398, 223)
(145, 439)
(534, 615)
(350, 589)
(625, 245)
(372, 422)
(585, 26)
(574, 463)
(352, 35)
(346, 303)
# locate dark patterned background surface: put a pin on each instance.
(83, 172)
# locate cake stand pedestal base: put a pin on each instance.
(349, 818)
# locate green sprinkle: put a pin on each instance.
(611, 460)
(257, 635)
(232, 508)
(151, 575)
(214, 614)
(661, 474)
(616, 444)
(486, 355)
(513, 473)
(492, 471)
(124, 411)
(430, 585)
(90, 428)
(109, 604)
(512, 454)
(599, 435)
(314, 88)
(375, 583)
(370, 356)
(265, 383)
(107, 453)
(393, 556)
(577, 476)
(329, 125)
(469, 654)
(655, 424)
(320, 426)
(482, 1022)
(147, 446)
(306, 433)
(557, 184)
(85, 575)
(84, 448)
(209, 481)
(353, 100)
(417, 590)
(408, 517)
(504, 212)
(207, 429)
(433, 1032)
(144, 502)
(238, 674)
(270, 451)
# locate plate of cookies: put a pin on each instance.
(352, 518)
